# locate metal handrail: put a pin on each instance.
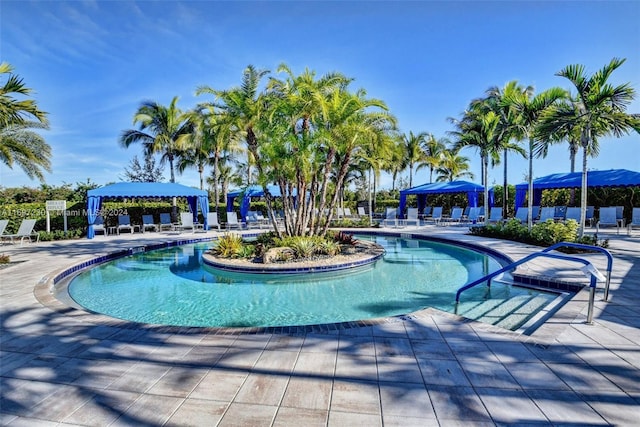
(590, 248)
(545, 253)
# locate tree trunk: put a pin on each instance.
(584, 139)
(505, 190)
(530, 198)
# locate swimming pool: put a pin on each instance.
(172, 287)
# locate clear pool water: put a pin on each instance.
(172, 287)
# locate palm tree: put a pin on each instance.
(453, 166)
(434, 150)
(414, 154)
(18, 143)
(528, 109)
(243, 107)
(599, 111)
(168, 130)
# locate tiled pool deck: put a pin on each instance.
(63, 367)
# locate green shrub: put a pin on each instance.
(60, 235)
(303, 247)
(328, 247)
(229, 246)
(550, 232)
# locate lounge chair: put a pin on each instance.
(165, 222)
(25, 231)
(436, 215)
(474, 215)
(361, 211)
(253, 221)
(547, 213)
(390, 218)
(635, 220)
(427, 211)
(412, 217)
(3, 225)
(186, 221)
(573, 213)
(212, 220)
(347, 213)
(232, 221)
(608, 218)
(98, 226)
(456, 216)
(495, 215)
(124, 223)
(620, 215)
(522, 214)
(590, 215)
(147, 223)
(535, 212)
(560, 213)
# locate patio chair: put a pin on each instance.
(573, 213)
(427, 211)
(148, 223)
(124, 223)
(474, 215)
(390, 218)
(25, 231)
(233, 221)
(560, 213)
(3, 225)
(635, 220)
(212, 220)
(253, 220)
(495, 215)
(535, 213)
(620, 215)
(347, 213)
(546, 213)
(608, 218)
(436, 215)
(165, 221)
(186, 221)
(456, 216)
(412, 217)
(590, 215)
(361, 211)
(522, 214)
(98, 226)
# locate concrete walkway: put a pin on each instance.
(61, 367)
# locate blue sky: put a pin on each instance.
(91, 63)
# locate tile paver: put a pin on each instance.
(430, 368)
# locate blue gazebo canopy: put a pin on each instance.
(473, 191)
(605, 178)
(248, 193)
(194, 197)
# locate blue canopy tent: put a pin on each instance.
(247, 194)
(606, 178)
(422, 191)
(194, 197)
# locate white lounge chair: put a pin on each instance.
(608, 218)
(347, 213)
(412, 217)
(635, 220)
(474, 215)
(124, 223)
(25, 231)
(232, 221)
(147, 223)
(212, 220)
(495, 215)
(361, 211)
(3, 225)
(390, 218)
(186, 221)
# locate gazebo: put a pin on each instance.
(605, 178)
(194, 197)
(473, 191)
(247, 194)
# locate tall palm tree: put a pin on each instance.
(162, 130)
(19, 144)
(434, 150)
(414, 154)
(453, 166)
(243, 107)
(528, 109)
(598, 112)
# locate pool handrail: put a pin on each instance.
(545, 253)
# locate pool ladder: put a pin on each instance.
(588, 269)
